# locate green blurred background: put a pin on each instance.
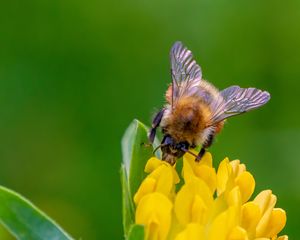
(73, 75)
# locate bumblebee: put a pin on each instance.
(195, 110)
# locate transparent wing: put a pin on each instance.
(186, 73)
(235, 100)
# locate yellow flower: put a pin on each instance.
(203, 170)
(210, 205)
(162, 178)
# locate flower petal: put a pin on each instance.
(165, 181)
(223, 224)
(234, 197)
(187, 170)
(198, 210)
(186, 198)
(266, 201)
(235, 164)
(205, 160)
(193, 231)
(202, 169)
(246, 183)
(208, 175)
(147, 186)
(154, 211)
(238, 233)
(152, 164)
(223, 174)
(251, 215)
(276, 223)
(285, 237)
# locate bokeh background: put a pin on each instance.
(73, 75)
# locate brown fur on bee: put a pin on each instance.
(168, 94)
(219, 126)
(187, 121)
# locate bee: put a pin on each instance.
(195, 110)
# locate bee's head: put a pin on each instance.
(172, 150)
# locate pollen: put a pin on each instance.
(210, 204)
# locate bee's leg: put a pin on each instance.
(155, 123)
(206, 145)
(200, 154)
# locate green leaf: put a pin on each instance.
(135, 154)
(127, 204)
(136, 232)
(25, 221)
(136, 151)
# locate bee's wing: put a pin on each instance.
(186, 73)
(235, 100)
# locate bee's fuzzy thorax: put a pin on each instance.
(187, 121)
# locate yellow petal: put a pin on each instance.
(266, 201)
(285, 237)
(251, 215)
(147, 186)
(208, 175)
(185, 199)
(218, 206)
(223, 224)
(218, 230)
(235, 164)
(198, 211)
(238, 233)
(241, 169)
(161, 179)
(276, 223)
(205, 160)
(152, 229)
(246, 183)
(223, 174)
(152, 164)
(193, 231)
(165, 182)
(234, 197)
(237, 167)
(202, 169)
(154, 211)
(189, 157)
(176, 178)
(187, 169)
